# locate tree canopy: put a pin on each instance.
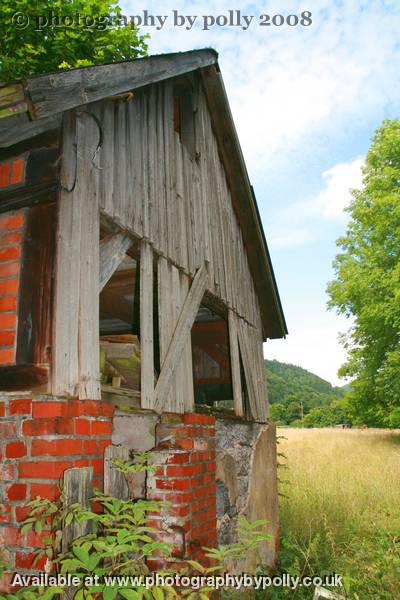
(367, 284)
(300, 398)
(48, 35)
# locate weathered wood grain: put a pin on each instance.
(113, 250)
(77, 488)
(146, 326)
(180, 337)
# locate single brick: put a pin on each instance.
(185, 444)
(5, 513)
(2, 409)
(101, 428)
(11, 221)
(49, 409)
(98, 465)
(178, 458)
(7, 357)
(183, 471)
(82, 427)
(30, 560)
(173, 484)
(20, 406)
(17, 171)
(10, 253)
(11, 238)
(6, 472)
(45, 490)
(9, 269)
(5, 174)
(7, 321)
(7, 338)
(15, 450)
(17, 491)
(8, 303)
(8, 429)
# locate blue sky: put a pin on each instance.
(306, 101)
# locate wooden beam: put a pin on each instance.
(146, 325)
(58, 92)
(235, 364)
(244, 204)
(19, 127)
(179, 339)
(112, 252)
(22, 377)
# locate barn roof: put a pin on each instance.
(34, 105)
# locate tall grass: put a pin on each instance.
(341, 510)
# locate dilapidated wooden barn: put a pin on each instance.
(136, 290)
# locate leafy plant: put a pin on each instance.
(367, 283)
(48, 35)
(117, 543)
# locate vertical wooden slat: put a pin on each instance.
(180, 338)
(115, 483)
(77, 488)
(146, 325)
(87, 186)
(235, 364)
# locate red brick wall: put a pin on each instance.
(185, 478)
(41, 437)
(11, 233)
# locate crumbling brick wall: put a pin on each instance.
(11, 233)
(41, 437)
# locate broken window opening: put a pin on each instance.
(119, 327)
(211, 360)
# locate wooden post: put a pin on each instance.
(235, 364)
(146, 325)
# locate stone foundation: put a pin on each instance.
(246, 482)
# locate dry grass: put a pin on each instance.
(342, 509)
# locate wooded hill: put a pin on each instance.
(299, 397)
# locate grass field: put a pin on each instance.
(341, 512)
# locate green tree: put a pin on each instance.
(367, 284)
(48, 35)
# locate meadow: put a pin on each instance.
(340, 509)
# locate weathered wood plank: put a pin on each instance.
(235, 364)
(179, 339)
(62, 91)
(77, 488)
(19, 127)
(146, 325)
(87, 196)
(115, 483)
(65, 370)
(113, 250)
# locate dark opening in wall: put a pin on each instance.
(184, 115)
(211, 360)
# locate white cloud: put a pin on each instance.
(339, 180)
(335, 196)
(303, 222)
